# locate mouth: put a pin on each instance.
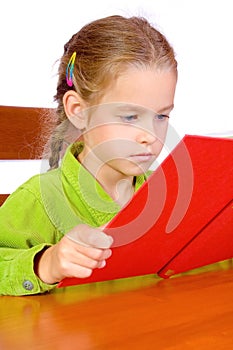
(142, 157)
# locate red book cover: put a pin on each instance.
(213, 244)
(181, 218)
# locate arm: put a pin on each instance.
(25, 231)
(34, 256)
(79, 252)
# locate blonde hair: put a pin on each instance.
(104, 48)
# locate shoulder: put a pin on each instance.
(33, 186)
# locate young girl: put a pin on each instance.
(116, 86)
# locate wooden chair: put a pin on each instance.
(21, 129)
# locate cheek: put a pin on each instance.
(161, 133)
(158, 146)
(104, 141)
(95, 135)
(104, 133)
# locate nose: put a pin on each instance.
(146, 134)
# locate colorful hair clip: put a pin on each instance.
(70, 69)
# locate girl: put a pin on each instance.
(117, 80)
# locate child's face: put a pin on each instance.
(127, 129)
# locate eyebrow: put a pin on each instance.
(168, 108)
(130, 107)
(137, 108)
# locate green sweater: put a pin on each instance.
(40, 212)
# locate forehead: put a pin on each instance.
(149, 88)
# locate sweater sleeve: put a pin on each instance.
(25, 230)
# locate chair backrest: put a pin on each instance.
(21, 129)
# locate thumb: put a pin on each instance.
(90, 237)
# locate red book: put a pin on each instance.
(180, 219)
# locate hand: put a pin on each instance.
(76, 255)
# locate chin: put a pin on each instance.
(136, 170)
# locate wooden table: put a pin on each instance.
(186, 312)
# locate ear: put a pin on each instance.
(74, 106)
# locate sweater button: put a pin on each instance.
(28, 285)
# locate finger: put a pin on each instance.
(78, 271)
(72, 249)
(88, 236)
(86, 261)
(102, 264)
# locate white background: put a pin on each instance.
(201, 31)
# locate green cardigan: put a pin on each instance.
(40, 212)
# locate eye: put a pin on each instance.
(161, 117)
(129, 118)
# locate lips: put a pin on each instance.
(142, 157)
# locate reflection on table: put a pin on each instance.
(192, 311)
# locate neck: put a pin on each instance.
(119, 187)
